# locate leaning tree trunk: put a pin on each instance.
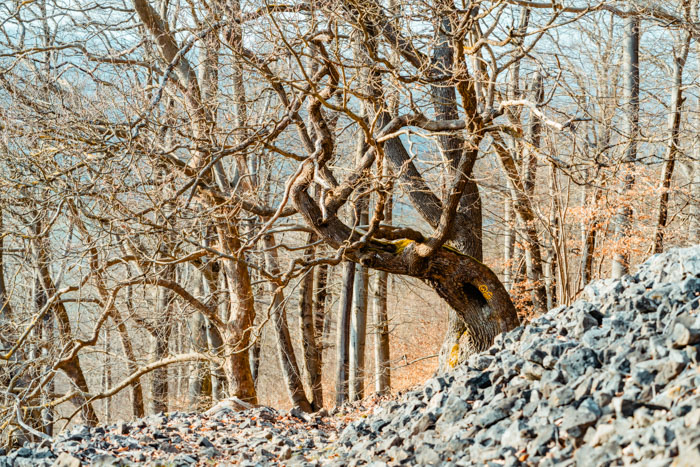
(310, 339)
(285, 350)
(620, 265)
(71, 367)
(526, 215)
(461, 280)
(466, 236)
(674, 142)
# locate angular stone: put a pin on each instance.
(105, 460)
(66, 460)
(576, 422)
(532, 371)
(428, 456)
(576, 362)
(204, 442)
(545, 434)
(683, 336)
(515, 435)
(561, 396)
(488, 416)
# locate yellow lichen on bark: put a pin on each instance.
(453, 360)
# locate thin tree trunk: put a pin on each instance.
(529, 162)
(536, 274)
(36, 350)
(358, 316)
(160, 394)
(358, 334)
(590, 232)
(554, 241)
(508, 240)
(695, 190)
(159, 377)
(309, 337)
(680, 57)
(285, 350)
(254, 356)
(107, 374)
(5, 307)
(321, 316)
(620, 265)
(198, 370)
(343, 333)
(72, 367)
(216, 372)
(382, 356)
(48, 414)
(523, 208)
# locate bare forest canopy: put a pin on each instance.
(180, 179)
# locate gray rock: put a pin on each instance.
(66, 460)
(561, 396)
(105, 460)
(576, 422)
(427, 456)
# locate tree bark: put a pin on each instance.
(358, 334)
(674, 120)
(343, 333)
(71, 367)
(541, 298)
(620, 265)
(310, 339)
(197, 395)
(508, 238)
(466, 234)
(526, 215)
(459, 279)
(236, 333)
(322, 316)
(160, 393)
(137, 404)
(5, 307)
(382, 355)
(285, 350)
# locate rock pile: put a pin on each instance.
(257, 436)
(611, 380)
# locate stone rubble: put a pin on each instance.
(256, 436)
(610, 380)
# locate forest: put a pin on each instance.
(302, 203)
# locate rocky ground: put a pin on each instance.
(611, 380)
